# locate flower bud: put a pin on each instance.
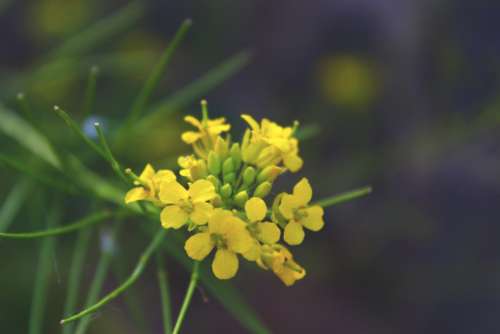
(241, 198)
(221, 147)
(229, 178)
(217, 201)
(226, 190)
(248, 175)
(214, 163)
(199, 171)
(270, 173)
(263, 189)
(228, 166)
(236, 155)
(215, 181)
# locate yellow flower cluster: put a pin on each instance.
(220, 196)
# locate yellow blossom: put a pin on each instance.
(149, 183)
(294, 207)
(281, 262)
(183, 205)
(270, 144)
(229, 235)
(192, 168)
(203, 140)
(266, 232)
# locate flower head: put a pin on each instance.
(192, 168)
(183, 205)
(279, 259)
(294, 207)
(270, 144)
(229, 235)
(149, 183)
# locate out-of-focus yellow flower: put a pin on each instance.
(229, 235)
(280, 261)
(149, 183)
(270, 144)
(294, 207)
(203, 140)
(183, 205)
(192, 168)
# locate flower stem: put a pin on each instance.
(344, 197)
(187, 297)
(90, 91)
(165, 294)
(138, 270)
(82, 223)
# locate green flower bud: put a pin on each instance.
(215, 181)
(276, 215)
(226, 190)
(241, 198)
(217, 201)
(221, 147)
(229, 178)
(248, 175)
(236, 155)
(199, 171)
(270, 173)
(214, 163)
(263, 189)
(228, 166)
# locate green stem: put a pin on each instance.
(138, 270)
(75, 274)
(115, 165)
(79, 224)
(344, 197)
(100, 274)
(90, 92)
(187, 297)
(42, 276)
(25, 108)
(165, 294)
(153, 79)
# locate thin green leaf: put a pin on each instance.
(100, 31)
(166, 307)
(155, 75)
(13, 202)
(75, 274)
(79, 224)
(42, 276)
(344, 197)
(26, 135)
(115, 165)
(198, 88)
(138, 270)
(90, 92)
(187, 298)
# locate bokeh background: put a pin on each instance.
(402, 95)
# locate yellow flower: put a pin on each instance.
(229, 235)
(266, 232)
(184, 205)
(203, 140)
(192, 168)
(280, 261)
(150, 182)
(295, 209)
(270, 144)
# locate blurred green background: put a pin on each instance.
(400, 95)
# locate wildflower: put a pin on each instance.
(281, 262)
(266, 232)
(192, 168)
(229, 235)
(271, 143)
(294, 207)
(184, 205)
(149, 183)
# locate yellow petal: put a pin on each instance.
(172, 192)
(218, 222)
(225, 264)
(251, 122)
(253, 254)
(269, 233)
(173, 217)
(164, 175)
(201, 213)
(199, 246)
(136, 194)
(289, 276)
(314, 219)
(303, 192)
(190, 137)
(256, 209)
(288, 204)
(147, 173)
(193, 121)
(238, 238)
(294, 233)
(293, 162)
(202, 191)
